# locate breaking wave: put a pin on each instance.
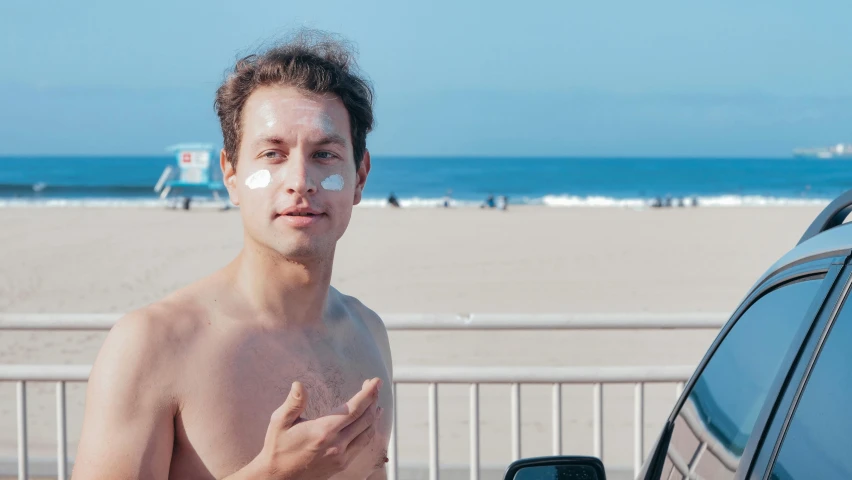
(556, 201)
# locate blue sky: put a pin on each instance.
(563, 78)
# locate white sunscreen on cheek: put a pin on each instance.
(333, 183)
(258, 179)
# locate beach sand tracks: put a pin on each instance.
(15, 289)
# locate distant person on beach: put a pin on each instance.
(503, 202)
(489, 202)
(261, 370)
(448, 199)
(392, 200)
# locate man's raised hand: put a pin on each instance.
(296, 448)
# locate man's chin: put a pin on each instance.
(302, 252)
(295, 246)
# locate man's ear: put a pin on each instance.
(361, 177)
(229, 177)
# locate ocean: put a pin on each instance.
(422, 182)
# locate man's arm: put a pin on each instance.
(128, 425)
(380, 333)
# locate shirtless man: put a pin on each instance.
(261, 370)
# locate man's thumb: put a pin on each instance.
(294, 405)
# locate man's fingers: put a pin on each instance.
(361, 441)
(293, 407)
(352, 410)
(365, 421)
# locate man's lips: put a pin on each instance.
(300, 217)
(300, 212)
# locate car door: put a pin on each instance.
(809, 438)
(718, 423)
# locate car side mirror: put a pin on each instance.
(556, 468)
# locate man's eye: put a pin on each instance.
(325, 155)
(271, 154)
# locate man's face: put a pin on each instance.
(295, 180)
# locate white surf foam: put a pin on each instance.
(101, 203)
(592, 201)
(556, 201)
(760, 201)
(417, 202)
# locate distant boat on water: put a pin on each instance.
(841, 150)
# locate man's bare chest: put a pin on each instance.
(227, 406)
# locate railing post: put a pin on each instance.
(557, 419)
(516, 421)
(61, 437)
(638, 427)
(23, 467)
(393, 468)
(696, 459)
(474, 431)
(434, 465)
(597, 428)
(678, 390)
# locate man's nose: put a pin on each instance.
(297, 177)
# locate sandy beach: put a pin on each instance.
(526, 260)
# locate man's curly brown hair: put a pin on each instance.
(312, 61)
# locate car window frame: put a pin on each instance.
(830, 265)
(776, 429)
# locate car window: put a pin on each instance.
(713, 426)
(816, 444)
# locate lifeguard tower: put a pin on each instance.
(195, 172)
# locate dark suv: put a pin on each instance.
(772, 398)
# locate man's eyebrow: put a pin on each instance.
(271, 140)
(331, 138)
(326, 139)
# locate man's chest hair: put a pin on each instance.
(330, 376)
(328, 385)
(331, 367)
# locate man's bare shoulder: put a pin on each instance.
(161, 325)
(149, 341)
(370, 318)
(134, 392)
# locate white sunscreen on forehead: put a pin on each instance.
(325, 123)
(333, 183)
(268, 114)
(258, 179)
(313, 116)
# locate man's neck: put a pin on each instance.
(286, 291)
